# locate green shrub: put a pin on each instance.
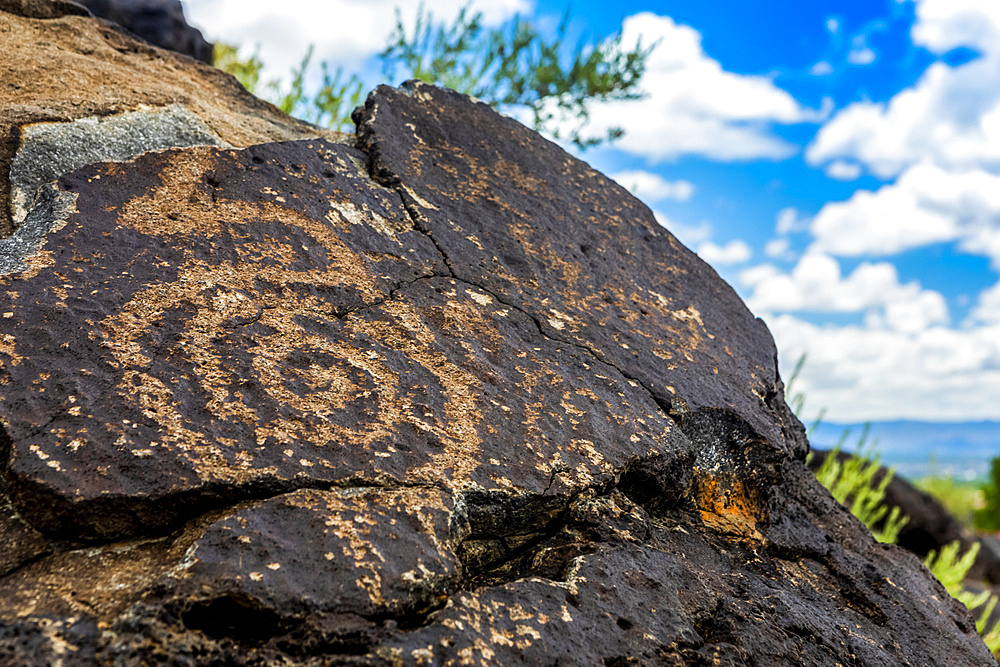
(951, 570)
(330, 106)
(852, 482)
(988, 518)
(514, 65)
(960, 498)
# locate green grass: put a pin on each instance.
(960, 498)
(853, 483)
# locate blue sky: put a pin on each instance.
(838, 163)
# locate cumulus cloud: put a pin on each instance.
(734, 252)
(987, 308)
(817, 285)
(822, 68)
(927, 204)
(690, 235)
(789, 221)
(779, 248)
(843, 170)
(648, 186)
(694, 106)
(860, 53)
(344, 32)
(951, 115)
(863, 373)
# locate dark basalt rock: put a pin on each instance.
(447, 397)
(159, 22)
(551, 238)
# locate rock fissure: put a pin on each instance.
(167, 514)
(505, 535)
(24, 564)
(385, 179)
(415, 220)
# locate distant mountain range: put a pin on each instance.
(914, 449)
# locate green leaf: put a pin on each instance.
(516, 65)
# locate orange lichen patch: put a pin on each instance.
(727, 505)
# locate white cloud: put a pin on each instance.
(779, 249)
(648, 186)
(912, 315)
(694, 106)
(951, 115)
(926, 205)
(789, 221)
(987, 308)
(754, 275)
(863, 373)
(816, 285)
(690, 235)
(822, 68)
(734, 252)
(345, 32)
(860, 53)
(943, 25)
(843, 171)
(940, 141)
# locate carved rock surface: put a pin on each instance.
(448, 396)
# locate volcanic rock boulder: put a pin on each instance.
(445, 396)
(159, 22)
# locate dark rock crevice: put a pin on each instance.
(105, 521)
(235, 628)
(506, 538)
(498, 538)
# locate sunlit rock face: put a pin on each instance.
(438, 393)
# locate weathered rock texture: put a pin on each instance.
(447, 396)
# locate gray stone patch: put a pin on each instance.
(49, 150)
(52, 207)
